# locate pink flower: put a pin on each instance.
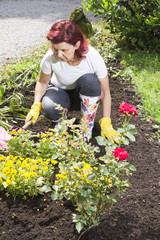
(8, 70)
(127, 109)
(4, 136)
(120, 153)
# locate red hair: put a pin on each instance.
(69, 32)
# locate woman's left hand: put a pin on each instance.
(107, 130)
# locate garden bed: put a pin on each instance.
(134, 216)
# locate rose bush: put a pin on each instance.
(92, 184)
(120, 153)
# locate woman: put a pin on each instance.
(78, 80)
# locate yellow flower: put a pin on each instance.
(54, 162)
(8, 181)
(6, 171)
(12, 179)
(86, 166)
(38, 135)
(13, 171)
(43, 135)
(34, 168)
(9, 163)
(33, 174)
(18, 162)
(27, 166)
(87, 180)
(61, 176)
(26, 175)
(38, 160)
(20, 131)
(77, 168)
(95, 168)
(20, 171)
(44, 168)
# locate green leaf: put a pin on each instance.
(130, 136)
(79, 226)
(95, 222)
(2, 90)
(56, 155)
(4, 184)
(54, 196)
(126, 141)
(80, 165)
(91, 176)
(101, 141)
(92, 209)
(140, 43)
(132, 129)
(131, 167)
(81, 199)
(76, 218)
(45, 188)
(55, 187)
(85, 193)
(134, 40)
(3, 176)
(120, 130)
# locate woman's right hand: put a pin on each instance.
(33, 114)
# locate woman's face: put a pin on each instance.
(65, 51)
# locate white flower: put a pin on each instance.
(39, 181)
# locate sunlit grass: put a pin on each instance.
(144, 68)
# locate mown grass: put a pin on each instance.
(144, 69)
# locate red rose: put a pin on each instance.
(127, 109)
(120, 153)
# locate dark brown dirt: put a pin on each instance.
(134, 216)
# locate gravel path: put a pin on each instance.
(25, 23)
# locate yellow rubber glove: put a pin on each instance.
(107, 129)
(34, 112)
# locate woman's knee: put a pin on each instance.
(89, 85)
(52, 97)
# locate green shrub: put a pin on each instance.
(137, 21)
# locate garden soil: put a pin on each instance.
(135, 216)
